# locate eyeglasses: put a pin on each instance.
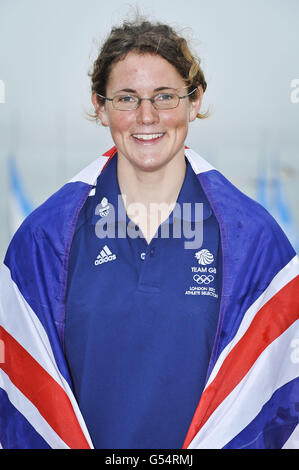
(165, 100)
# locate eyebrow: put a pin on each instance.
(129, 90)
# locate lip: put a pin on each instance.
(148, 141)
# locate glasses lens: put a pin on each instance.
(125, 102)
(166, 100)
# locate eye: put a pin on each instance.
(164, 97)
(125, 99)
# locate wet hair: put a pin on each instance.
(145, 37)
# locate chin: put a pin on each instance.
(149, 163)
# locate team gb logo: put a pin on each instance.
(204, 257)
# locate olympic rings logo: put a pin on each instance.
(203, 279)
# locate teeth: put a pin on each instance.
(147, 136)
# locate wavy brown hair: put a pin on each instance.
(144, 37)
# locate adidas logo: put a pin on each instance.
(105, 256)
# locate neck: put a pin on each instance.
(150, 196)
(146, 187)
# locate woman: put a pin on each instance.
(153, 303)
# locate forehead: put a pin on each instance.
(140, 72)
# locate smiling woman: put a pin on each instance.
(140, 338)
(148, 139)
(147, 91)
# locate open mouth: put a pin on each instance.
(148, 138)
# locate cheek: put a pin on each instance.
(177, 121)
(120, 124)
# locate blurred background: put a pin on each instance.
(250, 57)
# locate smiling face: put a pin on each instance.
(146, 137)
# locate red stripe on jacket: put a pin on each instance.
(276, 316)
(43, 391)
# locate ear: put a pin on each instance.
(195, 105)
(100, 110)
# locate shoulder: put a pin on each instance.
(233, 202)
(243, 221)
(52, 222)
(247, 227)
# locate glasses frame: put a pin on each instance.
(146, 99)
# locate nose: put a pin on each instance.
(146, 113)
